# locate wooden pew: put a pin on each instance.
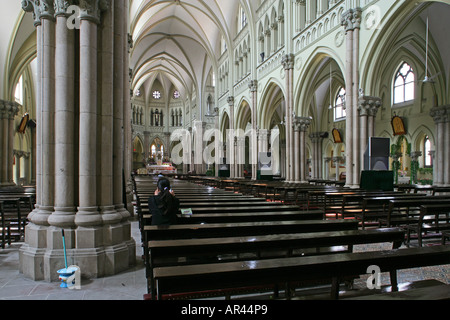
(228, 275)
(192, 231)
(6, 228)
(433, 217)
(250, 217)
(14, 215)
(199, 231)
(410, 209)
(169, 252)
(445, 235)
(375, 208)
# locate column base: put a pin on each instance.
(99, 251)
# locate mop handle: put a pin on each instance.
(64, 245)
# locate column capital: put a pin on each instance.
(440, 114)
(41, 9)
(318, 136)
(8, 109)
(415, 155)
(302, 123)
(368, 105)
(253, 85)
(230, 101)
(61, 6)
(351, 19)
(288, 61)
(91, 10)
(337, 159)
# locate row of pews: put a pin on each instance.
(242, 239)
(15, 205)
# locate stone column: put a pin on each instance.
(432, 153)
(367, 108)
(351, 20)
(347, 23)
(336, 161)
(146, 144)
(327, 168)
(218, 143)
(27, 166)
(357, 159)
(64, 210)
(441, 167)
(288, 65)
(316, 139)
(303, 124)
(296, 163)
(8, 110)
(79, 178)
(88, 214)
(240, 156)
(17, 156)
(230, 139)
(253, 86)
(414, 165)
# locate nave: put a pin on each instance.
(132, 284)
(205, 254)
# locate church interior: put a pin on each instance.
(307, 141)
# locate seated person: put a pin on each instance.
(163, 206)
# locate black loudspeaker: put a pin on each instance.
(376, 156)
(224, 168)
(377, 180)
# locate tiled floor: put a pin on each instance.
(129, 285)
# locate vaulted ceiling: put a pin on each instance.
(178, 42)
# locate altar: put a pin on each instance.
(163, 168)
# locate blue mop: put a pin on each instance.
(65, 273)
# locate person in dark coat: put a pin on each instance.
(163, 205)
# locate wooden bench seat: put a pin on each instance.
(6, 228)
(14, 215)
(433, 217)
(191, 231)
(250, 216)
(445, 235)
(354, 203)
(228, 275)
(174, 252)
(402, 212)
(374, 209)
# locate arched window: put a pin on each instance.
(339, 105)
(242, 18)
(18, 94)
(404, 84)
(153, 150)
(426, 152)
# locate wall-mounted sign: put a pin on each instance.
(397, 126)
(336, 136)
